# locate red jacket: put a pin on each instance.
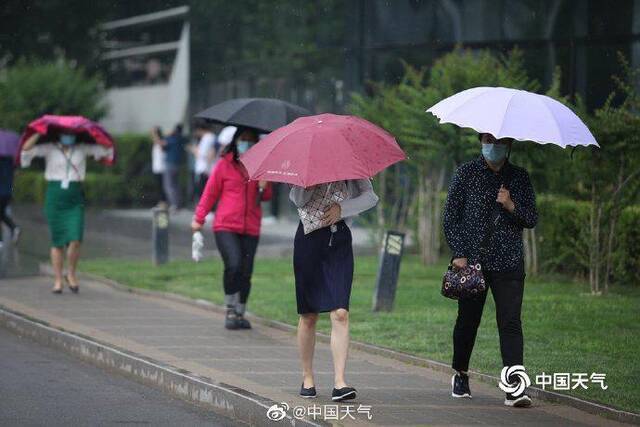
(238, 210)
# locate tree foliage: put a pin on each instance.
(30, 89)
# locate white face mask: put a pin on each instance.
(243, 146)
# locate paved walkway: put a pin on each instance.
(264, 360)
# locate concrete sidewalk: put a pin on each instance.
(264, 360)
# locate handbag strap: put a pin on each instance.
(494, 215)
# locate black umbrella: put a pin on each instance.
(262, 114)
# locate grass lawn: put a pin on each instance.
(566, 330)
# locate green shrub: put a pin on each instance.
(32, 88)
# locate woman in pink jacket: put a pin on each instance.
(237, 222)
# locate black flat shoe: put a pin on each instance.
(344, 393)
(308, 393)
(56, 291)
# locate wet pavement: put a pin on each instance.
(264, 360)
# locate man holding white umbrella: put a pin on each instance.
(490, 202)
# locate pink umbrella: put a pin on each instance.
(87, 131)
(324, 148)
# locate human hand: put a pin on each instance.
(504, 198)
(195, 226)
(332, 215)
(459, 263)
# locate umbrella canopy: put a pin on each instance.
(87, 131)
(9, 142)
(262, 114)
(324, 148)
(514, 113)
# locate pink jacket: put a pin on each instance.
(238, 210)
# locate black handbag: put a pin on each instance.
(469, 282)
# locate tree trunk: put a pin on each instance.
(534, 252)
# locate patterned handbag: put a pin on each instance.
(463, 283)
(323, 196)
(469, 282)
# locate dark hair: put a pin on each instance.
(178, 129)
(201, 124)
(232, 147)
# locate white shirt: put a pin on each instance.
(361, 198)
(204, 159)
(157, 159)
(61, 166)
(226, 135)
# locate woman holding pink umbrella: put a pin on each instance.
(66, 142)
(329, 160)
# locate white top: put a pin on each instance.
(157, 159)
(61, 166)
(361, 198)
(204, 160)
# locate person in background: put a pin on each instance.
(173, 146)
(205, 156)
(489, 189)
(6, 190)
(158, 166)
(237, 223)
(65, 168)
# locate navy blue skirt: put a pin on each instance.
(323, 273)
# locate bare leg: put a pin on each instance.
(339, 344)
(73, 254)
(306, 345)
(57, 261)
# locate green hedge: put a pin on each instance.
(563, 239)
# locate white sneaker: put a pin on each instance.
(523, 401)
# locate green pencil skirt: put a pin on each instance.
(64, 209)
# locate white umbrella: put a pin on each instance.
(513, 113)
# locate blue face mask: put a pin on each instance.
(494, 153)
(67, 139)
(243, 146)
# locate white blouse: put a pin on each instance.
(361, 198)
(61, 166)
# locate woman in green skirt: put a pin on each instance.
(65, 166)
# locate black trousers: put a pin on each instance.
(507, 289)
(4, 215)
(238, 252)
(200, 182)
(160, 188)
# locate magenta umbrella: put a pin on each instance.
(324, 148)
(86, 131)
